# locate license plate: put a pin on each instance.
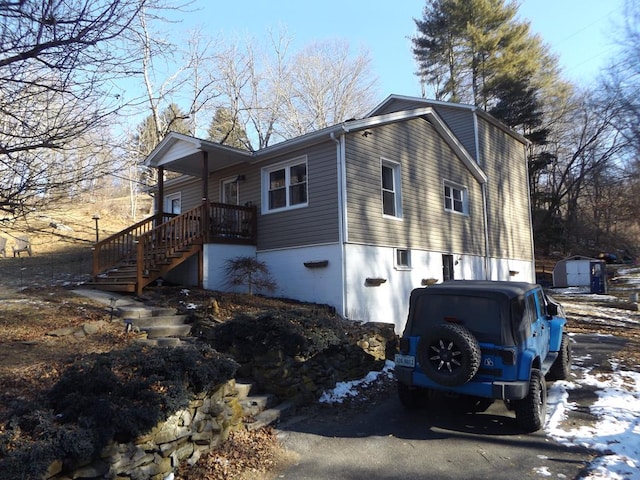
(405, 361)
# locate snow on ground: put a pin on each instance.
(617, 431)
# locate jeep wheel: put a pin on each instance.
(449, 354)
(561, 368)
(412, 397)
(531, 411)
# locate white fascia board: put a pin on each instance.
(161, 154)
(457, 147)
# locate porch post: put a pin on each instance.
(205, 194)
(160, 197)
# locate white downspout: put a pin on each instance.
(342, 213)
(485, 214)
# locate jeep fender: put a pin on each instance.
(528, 360)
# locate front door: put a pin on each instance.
(447, 267)
(230, 194)
(173, 203)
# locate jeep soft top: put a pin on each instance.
(469, 303)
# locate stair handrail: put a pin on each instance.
(158, 244)
(116, 248)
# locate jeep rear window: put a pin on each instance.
(481, 315)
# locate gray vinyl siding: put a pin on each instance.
(190, 193)
(426, 161)
(460, 122)
(508, 206)
(312, 225)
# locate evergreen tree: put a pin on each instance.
(226, 129)
(151, 131)
(472, 51)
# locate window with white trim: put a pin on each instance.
(284, 185)
(455, 198)
(390, 181)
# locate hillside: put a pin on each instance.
(62, 239)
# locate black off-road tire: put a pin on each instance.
(531, 411)
(561, 368)
(412, 397)
(449, 354)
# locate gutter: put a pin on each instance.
(342, 211)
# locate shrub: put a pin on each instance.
(298, 333)
(250, 272)
(116, 395)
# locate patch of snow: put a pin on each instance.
(344, 390)
(617, 432)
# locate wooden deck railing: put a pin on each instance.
(156, 246)
(121, 246)
(232, 223)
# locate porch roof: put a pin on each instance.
(183, 154)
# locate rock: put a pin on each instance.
(62, 332)
(90, 328)
(95, 470)
(54, 468)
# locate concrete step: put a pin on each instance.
(167, 331)
(133, 312)
(254, 404)
(161, 342)
(164, 320)
(270, 416)
(244, 388)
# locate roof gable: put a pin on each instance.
(401, 102)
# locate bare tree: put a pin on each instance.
(329, 84)
(584, 151)
(58, 61)
(274, 94)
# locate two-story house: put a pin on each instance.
(355, 215)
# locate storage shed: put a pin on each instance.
(578, 271)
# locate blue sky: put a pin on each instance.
(578, 31)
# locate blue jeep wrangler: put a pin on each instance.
(484, 340)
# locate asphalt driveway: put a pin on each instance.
(380, 440)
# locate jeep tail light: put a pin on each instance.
(452, 320)
(404, 345)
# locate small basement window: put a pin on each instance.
(402, 259)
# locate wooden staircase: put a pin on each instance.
(142, 253)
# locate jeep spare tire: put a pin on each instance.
(449, 354)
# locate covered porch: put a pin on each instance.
(142, 253)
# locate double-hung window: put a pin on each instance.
(455, 198)
(284, 185)
(391, 199)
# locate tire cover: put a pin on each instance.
(449, 354)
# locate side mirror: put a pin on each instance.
(552, 309)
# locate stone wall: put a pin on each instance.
(303, 380)
(183, 437)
